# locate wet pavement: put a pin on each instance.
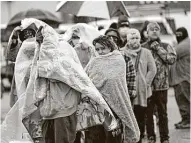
(176, 136)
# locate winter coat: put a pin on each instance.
(180, 70)
(164, 55)
(145, 74)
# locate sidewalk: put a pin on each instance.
(176, 136)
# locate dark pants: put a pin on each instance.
(140, 113)
(182, 95)
(98, 134)
(60, 130)
(159, 98)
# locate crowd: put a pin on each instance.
(103, 88)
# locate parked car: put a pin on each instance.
(167, 34)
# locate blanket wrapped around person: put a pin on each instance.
(108, 74)
(37, 66)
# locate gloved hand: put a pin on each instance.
(117, 130)
(155, 45)
(39, 36)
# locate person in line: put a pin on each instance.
(77, 37)
(143, 32)
(123, 27)
(108, 73)
(113, 25)
(164, 55)
(180, 77)
(15, 41)
(145, 71)
(55, 95)
(130, 69)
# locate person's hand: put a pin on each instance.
(16, 32)
(39, 36)
(155, 45)
(117, 130)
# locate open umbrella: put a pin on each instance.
(96, 9)
(40, 14)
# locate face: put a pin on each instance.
(28, 33)
(123, 32)
(133, 40)
(179, 36)
(74, 41)
(113, 36)
(153, 33)
(102, 50)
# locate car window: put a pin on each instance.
(139, 25)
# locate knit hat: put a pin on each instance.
(123, 20)
(153, 25)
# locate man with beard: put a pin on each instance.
(164, 55)
(180, 77)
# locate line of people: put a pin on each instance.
(107, 89)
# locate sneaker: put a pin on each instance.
(166, 141)
(177, 124)
(151, 139)
(183, 126)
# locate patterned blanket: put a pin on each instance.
(54, 60)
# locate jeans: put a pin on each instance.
(158, 99)
(182, 96)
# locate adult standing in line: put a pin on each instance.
(164, 56)
(146, 69)
(180, 77)
(130, 69)
(107, 72)
(123, 27)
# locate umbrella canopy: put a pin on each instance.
(97, 9)
(40, 14)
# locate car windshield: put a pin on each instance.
(139, 25)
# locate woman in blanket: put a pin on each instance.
(108, 73)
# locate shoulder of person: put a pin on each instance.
(145, 44)
(145, 50)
